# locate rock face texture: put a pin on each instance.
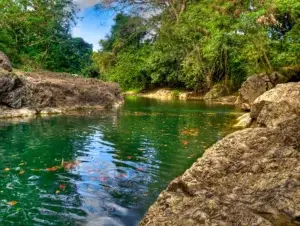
(255, 86)
(251, 177)
(45, 91)
(4, 62)
(277, 105)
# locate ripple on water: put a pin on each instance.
(98, 170)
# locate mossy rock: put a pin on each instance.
(219, 90)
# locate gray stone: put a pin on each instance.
(47, 90)
(277, 105)
(251, 177)
(4, 62)
(255, 86)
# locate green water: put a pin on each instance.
(101, 169)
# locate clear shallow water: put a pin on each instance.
(101, 169)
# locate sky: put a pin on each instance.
(93, 25)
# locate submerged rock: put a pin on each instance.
(47, 92)
(251, 177)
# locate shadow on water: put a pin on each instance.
(101, 169)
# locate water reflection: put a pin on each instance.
(99, 170)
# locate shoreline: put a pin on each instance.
(173, 94)
(250, 177)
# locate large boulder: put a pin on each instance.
(217, 91)
(277, 105)
(12, 90)
(45, 90)
(4, 62)
(255, 86)
(251, 177)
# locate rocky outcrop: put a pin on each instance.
(255, 86)
(217, 91)
(23, 93)
(277, 105)
(164, 94)
(251, 177)
(4, 62)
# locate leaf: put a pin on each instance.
(12, 203)
(22, 172)
(62, 187)
(70, 164)
(7, 169)
(103, 179)
(189, 132)
(52, 169)
(185, 142)
(123, 175)
(57, 191)
(129, 157)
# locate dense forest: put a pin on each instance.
(171, 43)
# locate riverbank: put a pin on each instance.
(251, 177)
(170, 94)
(41, 93)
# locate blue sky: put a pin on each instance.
(94, 25)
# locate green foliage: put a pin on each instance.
(185, 44)
(36, 35)
(201, 43)
(124, 53)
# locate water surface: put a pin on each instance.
(101, 169)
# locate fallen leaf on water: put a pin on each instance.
(189, 132)
(70, 164)
(7, 169)
(103, 179)
(52, 169)
(129, 157)
(123, 175)
(22, 164)
(22, 172)
(140, 169)
(57, 191)
(12, 203)
(62, 187)
(185, 142)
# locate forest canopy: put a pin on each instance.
(158, 43)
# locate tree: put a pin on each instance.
(36, 35)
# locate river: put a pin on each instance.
(101, 169)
